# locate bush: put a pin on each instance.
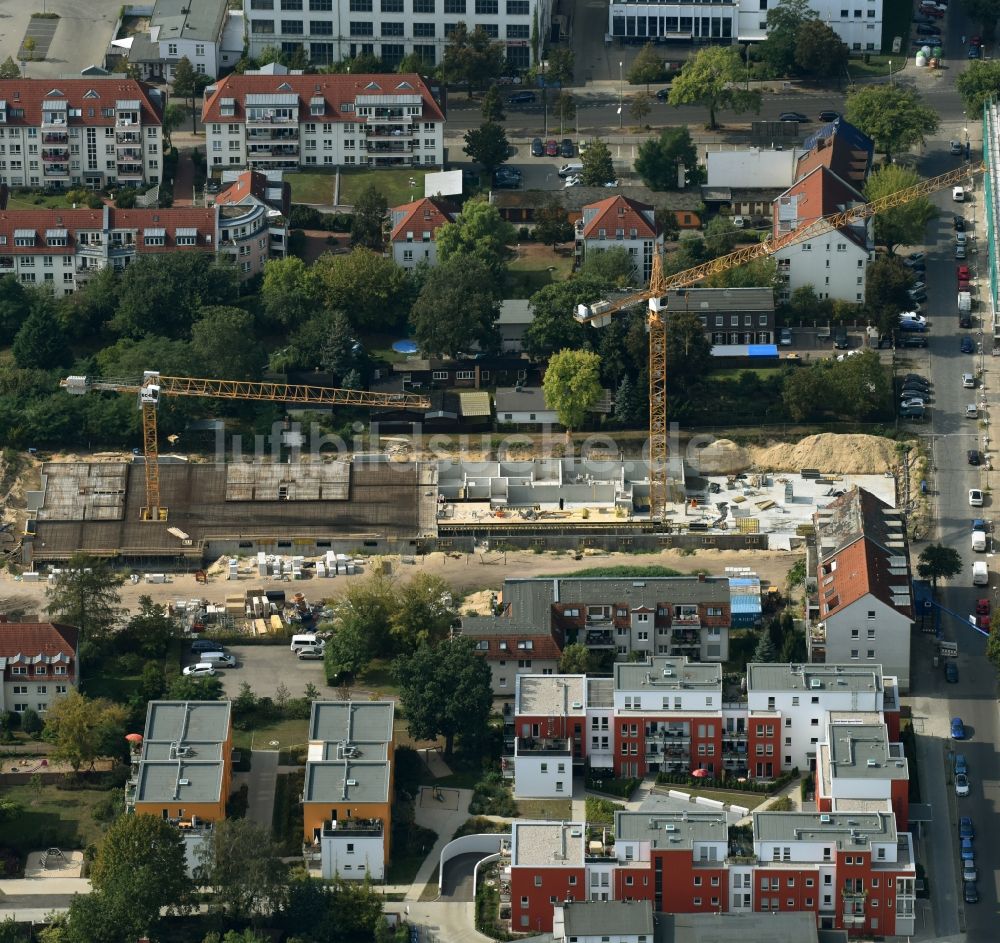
(31, 723)
(110, 807)
(125, 199)
(492, 797)
(130, 663)
(784, 804)
(480, 826)
(610, 785)
(601, 811)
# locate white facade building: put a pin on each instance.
(859, 25)
(328, 31)
(286, 121)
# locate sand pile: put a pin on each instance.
(829, 452)
(722, 457)
(479, 603)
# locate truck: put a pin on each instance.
(980, 574)
(964, 302)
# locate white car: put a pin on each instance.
(313, 653)
(573, 181)
(200, 670)
(959, 252)
(611, 183)
(961, 238)
(961, 784)
(911, 316)
(958, 194)
(971, 412)
(739, 222)
(975, 498)
(968, 381)
(969, 872)
(909, 402)
(919, 286)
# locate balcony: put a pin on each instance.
(686, 619)
(7, 263)
(348, 828)
(388, 114)
(267, 120)
(123, 138)
(272, 134)
(684, 637)
(55, 170)
(390, 131)
(129, 152)
(385, 147)
(55, 137)
(598, 639)
(551, 746)
(129, 171)
(264, 151)
(59, 154)
(817, 633)
(53, 119)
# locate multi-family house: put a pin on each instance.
(348, 792)
(38, 663)
(288, 121)
(613, 921)
(414, 231)
(833, 263)
(849, 871)
(70, 132)
(620, 223)
(862, 611)
(841, 147)
(207, 33)
(744, 22)
(730, 316)
(327, 31)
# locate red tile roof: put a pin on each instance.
(426, 215)
(249, 183)
(336, 90)
(617, 212)
(91, 95)
(37, 638)
(819, 193)
(74, 221)
(542, 646)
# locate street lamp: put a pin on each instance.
(890, 72)
(621, 93)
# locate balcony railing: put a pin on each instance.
(50, 120)
(55, 137)
(272, 134)
(283, 150)
(266, 120)
(343, 828)
(130, 170)
(60, 154)
(688, 618)
(388, 114)
(384, 147)
(596, 639)
(390, 130)
(554, 746)
(55, 170)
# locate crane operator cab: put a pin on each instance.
(149, 392)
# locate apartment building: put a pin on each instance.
(620, 223)
(348, 793)
(38, 663)
(674, 615)
(667, 714)
(414, 231)
(859, 26)
(61, 249)
(269, 121)
(328, 31)
(850, 871)
(862, 609)
(71, 132)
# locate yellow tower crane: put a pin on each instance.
(600, 313)
(153, 385)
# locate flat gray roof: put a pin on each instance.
(184, 19)
(796, 677)
(607, 917)
(548, 844)
(600, 692)
(788, 927)
(846, 830)
(350, 781)
(662, 673)
(551, 694)
(184, 721)
(862, 751)
(712, 300)
(352, 721)
(671, 829)
(179, 781)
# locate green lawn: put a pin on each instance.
(528, 275)
(378, 677)
(314, 187)
(35, 201)
(52, 817)
(394, 185)
(288, 733)
(748, 800)
(552, 810)
(410, 846)
(733, 373)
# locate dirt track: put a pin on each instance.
(467, 573)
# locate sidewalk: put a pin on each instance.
(184, 179)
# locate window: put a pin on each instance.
(172, 49)
(361, 6)
(291, 4)
(392, 6)
(487, 7)
(423, 30)
(318, 6)
(454, 6)
(292, 27)
(392, 29)
(518, 7)
(41, 670)
(261, 4)
(522, 31)
(362, 28)
(423, 6)
(321, 28)
(854, 653)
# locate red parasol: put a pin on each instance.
(700, 773)
(134, 737)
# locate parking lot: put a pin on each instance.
(264, 667)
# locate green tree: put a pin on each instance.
(338, 354)
(630, 405)
(613, 268)
(572, 385)
(901, 225)
(370, 287)
(423, 613)
(983, 12)
(565, 108)
(937, 562)
(173, 118)
(479, 233)
(561, 65)
(152, 683)
(368, 222)
(689, 351)
(224, 344)
(288, 291)
(720, 236)
(186, 688)
(659, 159)
(9, 69)
(31, 722)
(552, 223)
(575, 659)
(240, 863)
(369, 605)
(83, 729)
(647, 67)
(189, 84)
(29, 46)
(783, 24)
(760, 273)
(348, 652)
(487, 145)
(979, 84)
(993, 641)
(764, 652)
(492, 106)
(886, 285)
(598, 168)
(639, 108)
(894, 116)
(457, 308)
(85, 594)
(15, 302)
(819, 51)
(472, 58)
(793, 648)
(445, 691)
(711, 78)
(149, 632)
(41, 342)
(553, 327)
(140, 869)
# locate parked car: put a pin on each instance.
(965, 827)
(521, 98)
(200, 670)
(961, 239)
(917, 378)
(205, 645)
(919, 296)
(840, 340)
(956, 148)
(566, 148)
(573, 180)
(785, 338)
(312, 653)
(912, 340)
(975, 40)
(961, 785)
(971, 411)
(975, 498)
(968, 345)
(957, 727)
(961, 766)
(975, 52)
(959, 252)
(829, 115)
(970, 892)
(959, 224)
(551, 148)
(537, 148)
(914, 258)
(912, 401)
(218, 659)
(958, 194)
(962, 271)
(951, 672)
(662, 94)
(793, 116)
(982, 607)
(969, 872)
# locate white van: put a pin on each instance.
(306, 641)
(980, 574)
(218, 659)
(979, 541)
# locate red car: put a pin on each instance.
(551, 148)
(963, 272)
(982, 607)
(983, 622)
(963, 285)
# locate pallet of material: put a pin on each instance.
(277, 626)
(766, 504)
(259, 627)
